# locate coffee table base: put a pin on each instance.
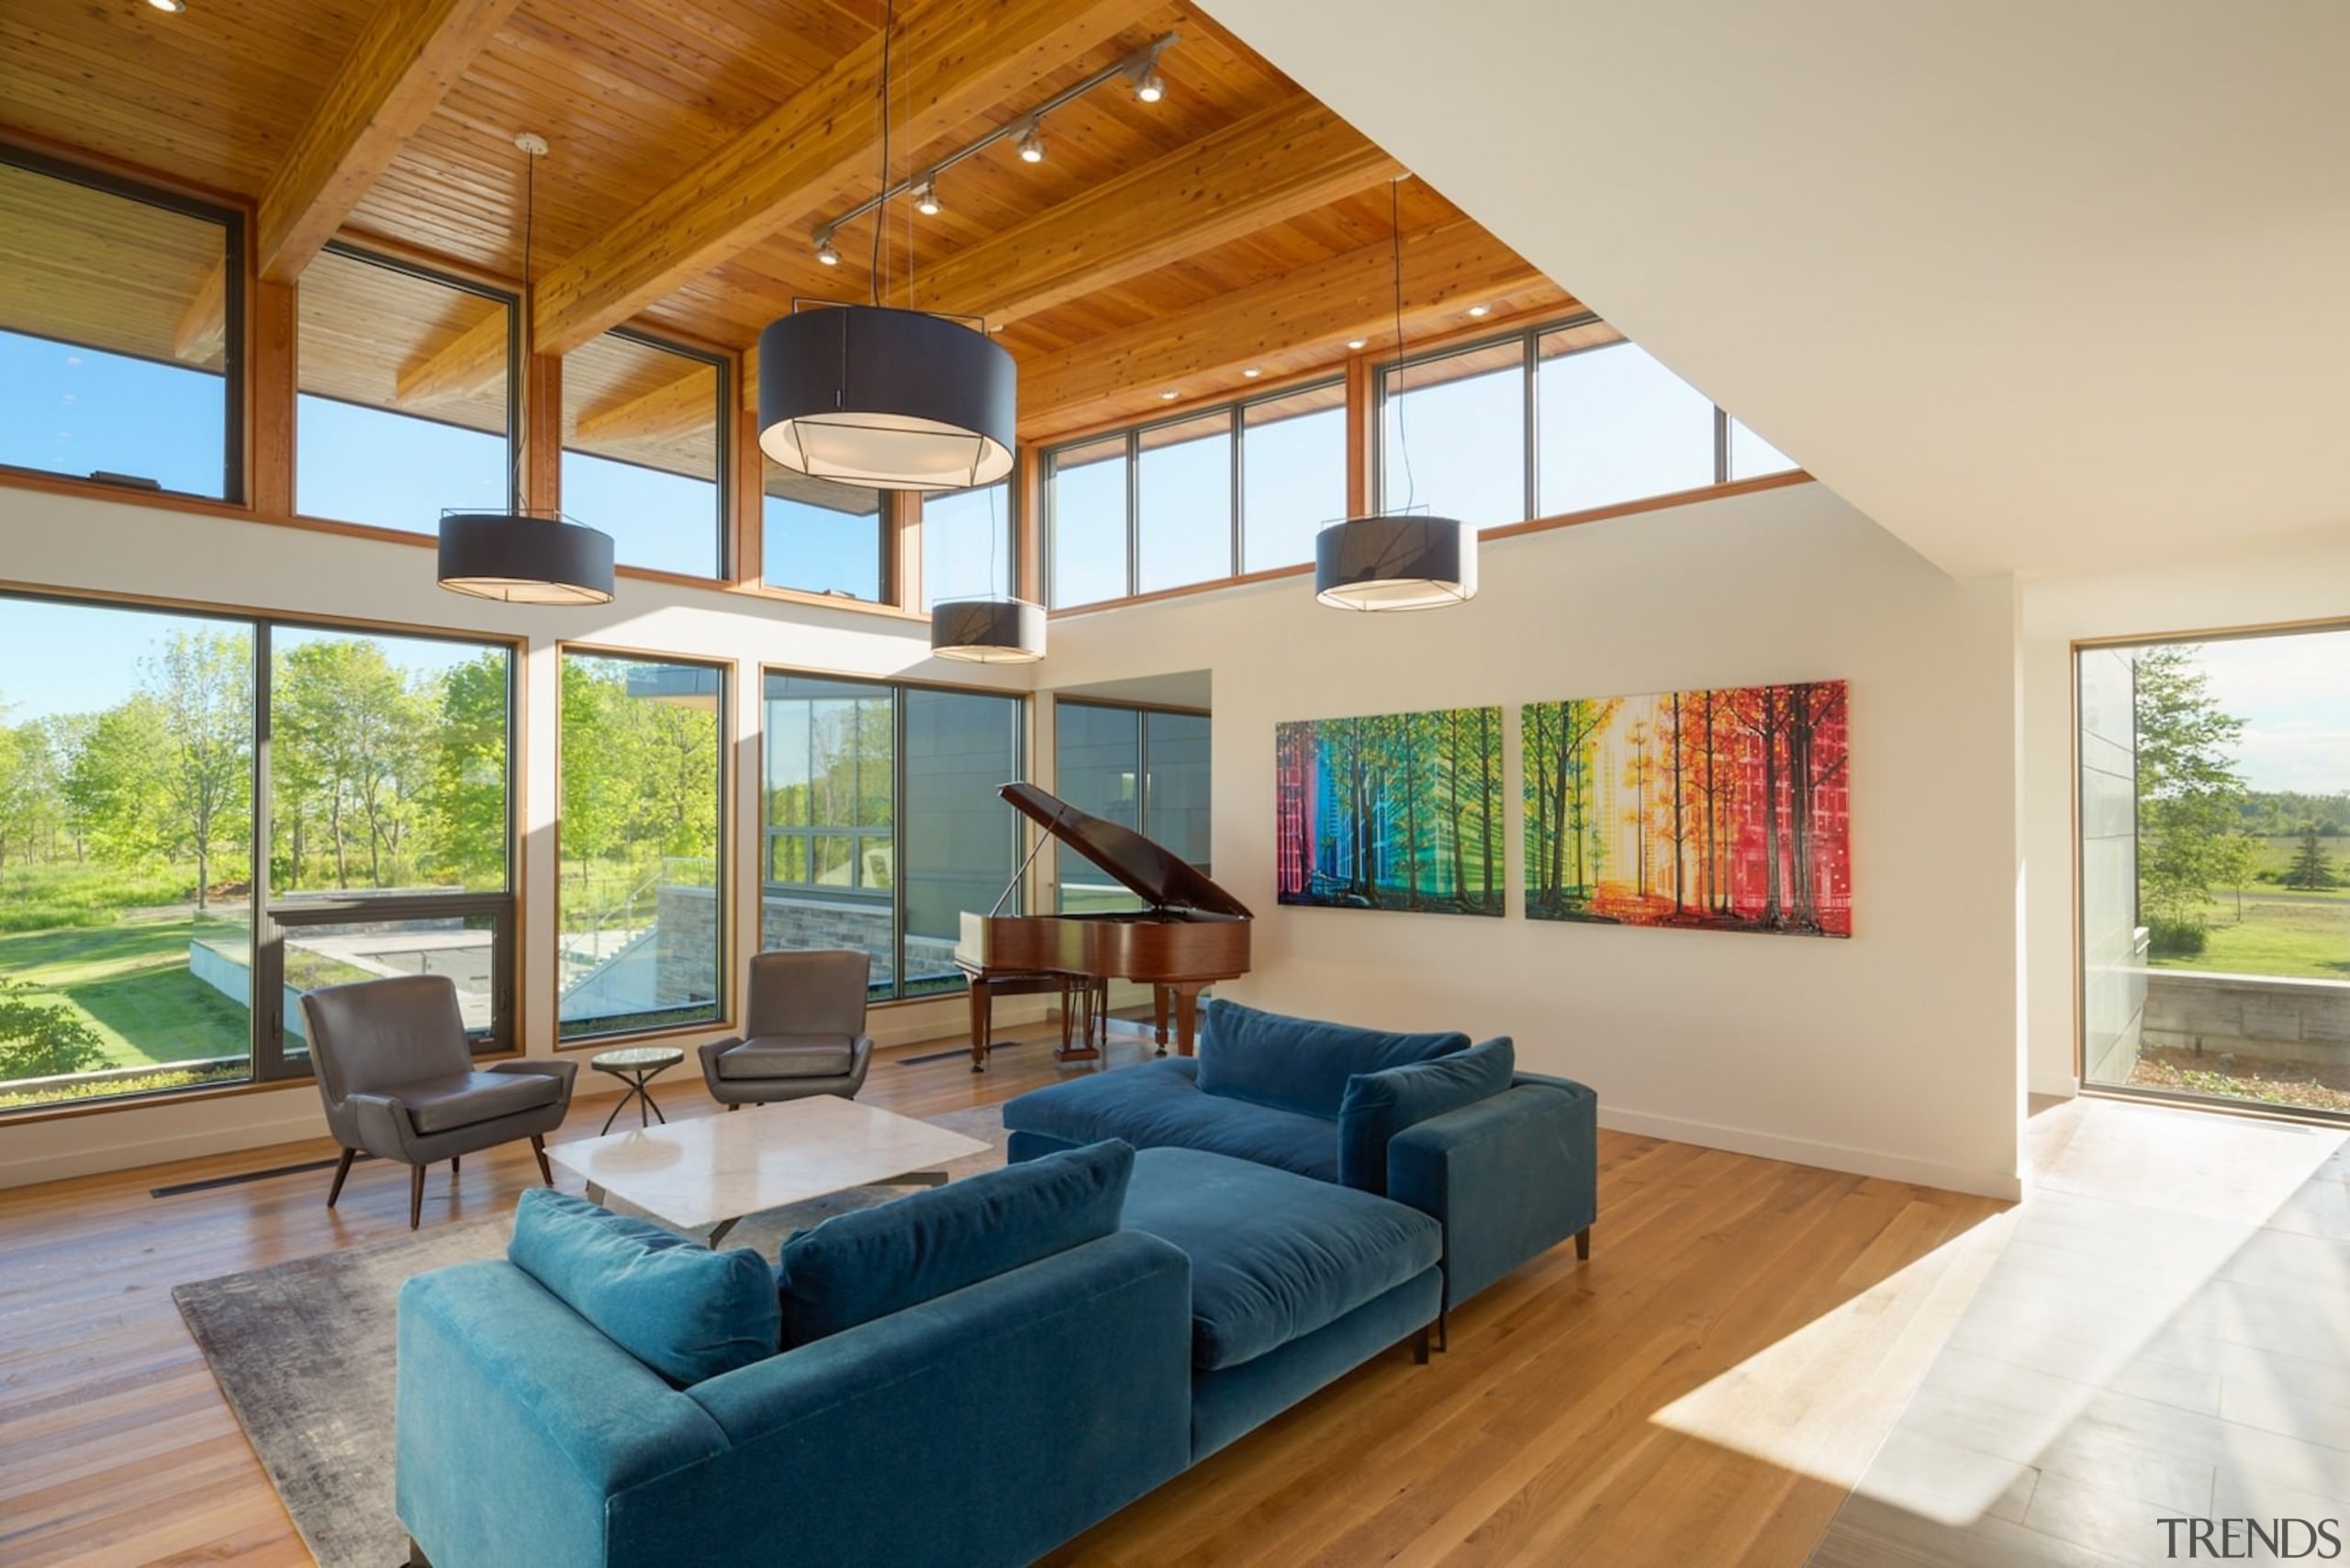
(718, 1232)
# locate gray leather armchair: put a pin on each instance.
(804, 1034)
(399, 1084)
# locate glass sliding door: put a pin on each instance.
(2214, 871)
(638, 859)
(1147, 769)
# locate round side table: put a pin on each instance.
(639, 1065)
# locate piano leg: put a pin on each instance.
(1159, 1017)
(981, 1024)
(1187, 1017)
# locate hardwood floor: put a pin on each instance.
(1705, 1390)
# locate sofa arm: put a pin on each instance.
(516, 1421)
(1510, 1177)
(985, 1426)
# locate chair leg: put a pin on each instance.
(1583, 1243)
(539, 1148)
(415, 1195)
(342, 1170)
(455, 1161)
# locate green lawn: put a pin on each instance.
(130, 979)
(2300, 936)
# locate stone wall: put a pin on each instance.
(2261, 1016)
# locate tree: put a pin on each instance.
(466, 819)
(115, 785)
(353, 734)
(43, 1039)
(201, 684)
(2190, 797)
(2309, 868)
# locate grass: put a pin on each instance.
(145, 1083)
(2296, 936)
(129, 979)
(42, 898)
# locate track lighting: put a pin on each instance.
(826, 255)
(1031, 146)
(1149, 87)
(926, 198)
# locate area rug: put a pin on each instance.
(304, 1352)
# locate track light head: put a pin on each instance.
(1031, 146)
(825, 254)
(1149, 87)
(926, 198)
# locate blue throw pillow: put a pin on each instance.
(869, 1264)
(685, 1311)
(1378, 1105)
(1300, 1064)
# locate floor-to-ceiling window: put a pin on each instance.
(2214, 875)
(403, 408)
(1145, 768)
(640, 830)
(121, 332)
(139, 749)
(882, 823)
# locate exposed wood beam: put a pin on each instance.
(1315, 309)
(1278, 163)
(668, 410)
(466, 365)
(197, 338)
(950, 59)
(410, 53)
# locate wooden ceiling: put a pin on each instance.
(697, 145)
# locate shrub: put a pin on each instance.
(2175, 938)
(43, 1039)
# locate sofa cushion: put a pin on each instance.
(868, 1263)
(685, 1311)
(1378, 1105)
(1274, 1256)
(455, 1100)
(1158, 1105)
(789, 1056)
(1300, 1064)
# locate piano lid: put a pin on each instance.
(1161, 878)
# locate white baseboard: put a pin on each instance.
(2005, 1186)
(2063, 1087)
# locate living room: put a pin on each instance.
(1855, 509)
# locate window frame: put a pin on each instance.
(722, 856)
(515, 432)
(1233, 412)
(266, 1056)
(236, 485)
(1023, 708)
(729, 515)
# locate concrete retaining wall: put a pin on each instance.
(2263, 1016)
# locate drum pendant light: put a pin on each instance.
(991, 628)
(1399, 560)
(868, 395)
(518, 556)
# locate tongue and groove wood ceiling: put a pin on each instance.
(698, 145)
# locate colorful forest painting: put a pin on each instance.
(1396, 811)
(1720, 810)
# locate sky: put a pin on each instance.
(2292, 691)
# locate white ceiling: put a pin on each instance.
(2040, 284)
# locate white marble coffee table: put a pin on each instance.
(718, 1170)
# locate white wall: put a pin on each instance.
(2278, 587)
(72, 542)
(1894, 1053)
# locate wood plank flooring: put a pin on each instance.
(1705, 1390)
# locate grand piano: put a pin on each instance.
(1190, 934)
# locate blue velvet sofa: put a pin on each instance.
(1505, 1161)
(964, 1376)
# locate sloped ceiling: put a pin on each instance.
(2038, 285)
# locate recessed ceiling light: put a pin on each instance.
(1167, 397)
(1479, 310)
(173, 6)
(1252, 373)
(1358, 342)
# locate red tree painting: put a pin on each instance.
(1725, 810)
